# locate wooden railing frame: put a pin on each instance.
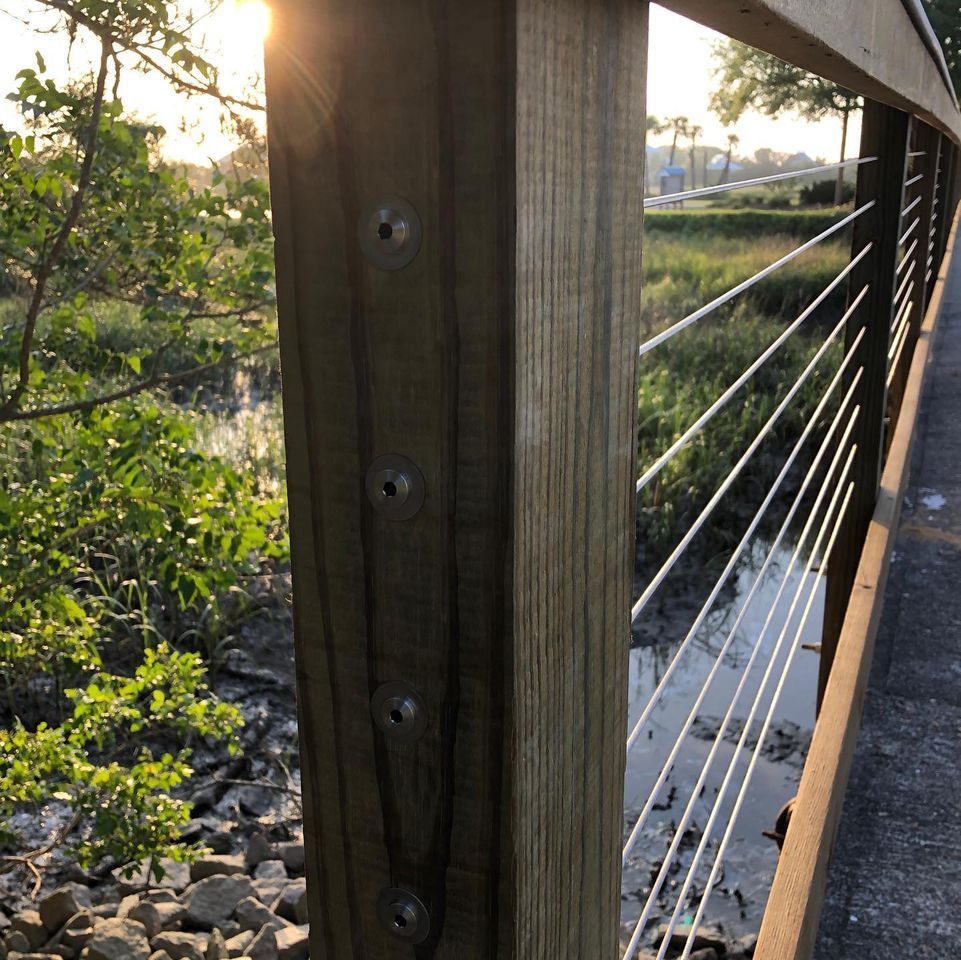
(790, 926)
(457, 202)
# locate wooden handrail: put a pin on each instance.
(873, 48)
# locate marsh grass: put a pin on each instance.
(683, 376)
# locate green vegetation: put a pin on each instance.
(138, 304)
(682, 273)
(747, 224)
(682, 377)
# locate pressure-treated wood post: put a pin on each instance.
(884, 134)
(457, 200)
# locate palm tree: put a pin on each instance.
(694, 132)
(654, 128)
(679, 125)
(732, 141)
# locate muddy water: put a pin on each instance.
(738, 898)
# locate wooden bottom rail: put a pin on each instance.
(790, 925)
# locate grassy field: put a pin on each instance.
(682, 377)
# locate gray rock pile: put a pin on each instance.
(251, 906)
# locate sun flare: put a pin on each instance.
(245, 26)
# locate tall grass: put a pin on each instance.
(682, 377)
(682, 273)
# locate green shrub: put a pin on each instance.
(821, 193)
(118, 540)
(747, 224)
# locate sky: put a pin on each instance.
(680, 82)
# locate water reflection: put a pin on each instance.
(739, 897)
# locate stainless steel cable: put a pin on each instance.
(753, 182)
(897, 356)
(696, 791)
(708, 509)
(907, 279)
(913, 180)
(683, 324)
(900, 318)
(810, 474)
(906, 257)
(907, 233)
(910, 206)
(732, 821)
(695, 428)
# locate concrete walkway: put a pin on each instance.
(894, 886)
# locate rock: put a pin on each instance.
(237, 946)
(75, 933)
(216, 947)
(182, 946)
(215, 865)
(159, 955)
(210, 902)
(300, 908)
(104, 910)
(743, 948)
(258, 850)
(252, 915)
(176, 876)
(270, 870)
(292, 853)
(126, 905)
(708, 953)
(147, 914)
(170, 914)
(220, 841)
(16, 942)
(292, 943)
(117, 940)
(284, 905)
(705, 938)
(28, 923)
(263, 946)
(229, 928)
(267, 891)
(161, 896)
(66, 901)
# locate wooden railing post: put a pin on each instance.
(884, 134)
(457, 200)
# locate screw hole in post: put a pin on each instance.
(385, 231)
(390, 489)
(400, 921)
(396, 717)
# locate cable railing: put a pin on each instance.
(826, 454)
(461, 320)
(695, 194)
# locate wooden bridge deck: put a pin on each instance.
(894, 885)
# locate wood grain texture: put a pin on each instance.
(870, 47)
(502, 362)
(790, 925)
(884, 134)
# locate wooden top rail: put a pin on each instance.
(873, 48)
